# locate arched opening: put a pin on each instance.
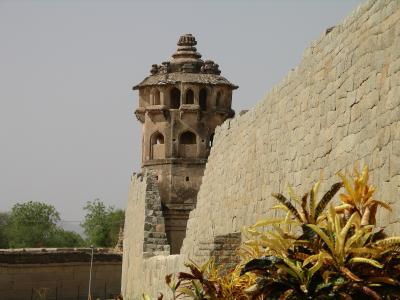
(157, 146)
(187, 137)
(175, 98)
(156, 97)
(203, 99)
(218, 99)
(187, 144)
(157, 139)
(189, 97)
(211, 140)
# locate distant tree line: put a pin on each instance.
(35, 224)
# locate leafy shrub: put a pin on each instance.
(102, 223)
(316, 251)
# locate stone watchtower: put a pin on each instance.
(180, 105)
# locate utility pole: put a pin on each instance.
(90, 274)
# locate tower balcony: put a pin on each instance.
(139, 113)
(190, 110)
(225, 112)
(188, 150)
(175, 161)
(157, 112)
(156, 108)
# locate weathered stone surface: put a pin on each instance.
(340, 106)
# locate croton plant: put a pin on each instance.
(314, 251)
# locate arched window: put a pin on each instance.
(157, 146)
(189, 97)
(187, 145)
(218, 99)
(187, 137)
(203, 99)
(175, 98)
(157, 138)
(156, 97)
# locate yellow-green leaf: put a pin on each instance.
(364, 260)
(266, 222)
(323, 236)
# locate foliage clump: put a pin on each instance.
(102, 224)
(34, 224)
(315, 251)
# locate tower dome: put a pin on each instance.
(186, 60)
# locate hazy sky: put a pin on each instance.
(67, 129)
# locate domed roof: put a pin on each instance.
(186, 66)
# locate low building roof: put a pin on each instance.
(58, 255)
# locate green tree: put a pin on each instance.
(3, 224)
(34, 224)
(102, 224)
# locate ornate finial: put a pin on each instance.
(187, 52)
(154, 69)
(165, 67)
(187, 40)
(186, 59)
(210, 67)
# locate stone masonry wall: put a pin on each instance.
(339, 107)
(224, 251)
(155, 238)
(132, 260)
(144, 233)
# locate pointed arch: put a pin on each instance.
(187, 137)
(203, 99)
(175, 98)
(188, 144)
(156, 97)
(189, 96)
(157, 148)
